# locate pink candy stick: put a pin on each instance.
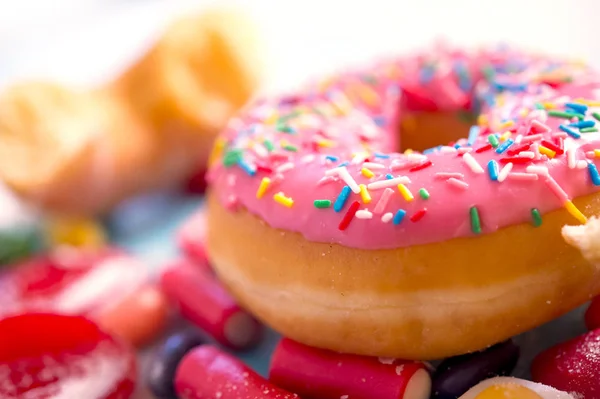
(207, 373)
(203, 301)
(320, 374)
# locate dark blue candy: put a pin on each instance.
(454, 376)
(165, 359)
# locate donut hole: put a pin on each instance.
(420, 130)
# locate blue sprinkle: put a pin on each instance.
(346, 163)
(583, 124)
(432, 150)
(509, 87)
(570, 131)
(380, 155)
(379, 120)
(473, 134)
(457, 146)
(332, 158)
(493, 170)
(504, 146)
(389, 176)
(247, 168)
(579, 108)
(594, 174)
(399, 216)
(341, 199)
(426, 74)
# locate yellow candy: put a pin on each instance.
(76, 232)
(508, 391)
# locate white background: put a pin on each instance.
(88, 41)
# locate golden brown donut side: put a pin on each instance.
(378, 302)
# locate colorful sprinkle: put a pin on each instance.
(575, 212)
(504, 146)
(579, 108)
(564, 115)
(596, 116)
(472, 163)
(399, 216)
(493, 169)
(493, 140)
(383, 201)
(405, 192)
(385, 218)
(424, 194)
(262, 188)
(418, 215)
(388, 183)
(280, 198)
(349, 216)
(475, 220)
(364, 214)
(594, 175)
(547, 151)
(322, 204)
(457, 183)
(367, 173)
(473, 134)
(504, 172)
(421, 166)
(536, 217)
(556, 189)
(341, 199)
(569, 131)
(364, 194)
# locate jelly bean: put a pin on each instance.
(208, 373)
(317, 373)
(203, 301)
(572, 366)
(150, 307)
(76, 233)
(57, 356)
(192, 238)
(454, 376)
(17, 243)
(592, 314)
(160, 374)
(513, 388)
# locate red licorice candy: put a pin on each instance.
(208, 373)
(203, 301)
(192, 239)
(321, 374)
(592, 314)
(57, 356)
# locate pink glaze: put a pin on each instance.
(328, 123)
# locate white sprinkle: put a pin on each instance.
(416, 157)
(260, 150)
(581, 164)
(533, 137)
(400, 369)
(538, 170)
(448, 175)
(522, 176)
(373, 165)
(505, 171)
(457, 183)
(464, 150)
(571, 160)
(359, 158)
(308, 158)
(402, 165)
(387, 217)
(327, 179)
(386, 360)
(344, 397)
(535, 147)
(590, 154)
(540, 126)
(388, 183)
(448, 150)
(285, 167)
(364, 214)
(472, 163)
(562, 135)
(527, 154)
(519, 139)
(343, 173)
(383, 200)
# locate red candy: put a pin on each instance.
(46, 356)
(592, 314)
(203, 301)
(208, 373)
(320, 374)
(572, 366)
(192, 238)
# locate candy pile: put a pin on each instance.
(71, 318)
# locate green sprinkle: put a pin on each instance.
(493, 140)
(588, 130)
(537, 218)
(488, 72)
(290, 147)
(322, 204)
(269, 145)
(424, 194)
(475, 222)
(285, 128)
(565, 115)
(539, 106)
(232, 157)
(596, 116)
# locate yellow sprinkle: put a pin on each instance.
(547, 151)
(573, 210)
(283, 143)
(367, 94)
(408, 151)
(523, 112)
(326, 143)
(507, 124)
(283, 200)
(341, 102)
(217, 150)
(482, 120)
(272, 118)
(501, 100)
(262, 188)
(76, 232)
(589, 103)
(597, 153)
(549, 105)
(405, 192)
(367, 173)
(505, 136)
(364, 194)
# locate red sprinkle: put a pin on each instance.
(518, 149)
(349, 215)
(263, 168)
(421, 166)
(484, 148)
(515, 160)
(418, 215)
(553, 147)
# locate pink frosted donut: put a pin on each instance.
(334, 238)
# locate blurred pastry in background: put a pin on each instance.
(82, 152)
